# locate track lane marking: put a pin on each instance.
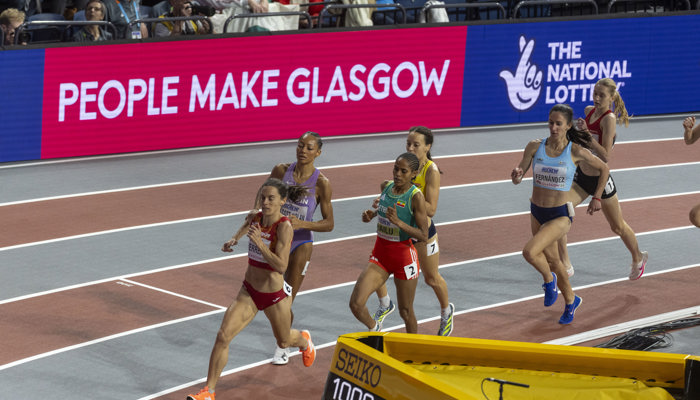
(221, 309)
(339, 166)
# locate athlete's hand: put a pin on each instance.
(367, 215)
(296, 222)
(688, 123)
(517, 175)
(391, 215)
(593, 206)
(375, 203)
(581, 125)
(228, 245)
(254, 234)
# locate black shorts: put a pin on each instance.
(590, 183)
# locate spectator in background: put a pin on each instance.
(10, 20)
(234, 7)
(94, 11)
(180, 8)
(123, 12)
(16, 4)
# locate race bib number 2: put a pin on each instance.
(411, 270)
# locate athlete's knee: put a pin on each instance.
(223, 337)
(618, 229)
(694, 216)
(355, 305)
(528, 254)
(406, 313)
(432, 280)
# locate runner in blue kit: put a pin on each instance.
(301, 213)
(554, 160)
(401, 216)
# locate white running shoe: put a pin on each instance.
(281, 356)
(637, 271)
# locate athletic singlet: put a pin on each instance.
(594, 127)
(387, 230)
(419, 180)
(304, 208)
(269, 238)
(555, 173)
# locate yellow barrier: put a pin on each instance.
(374, 366)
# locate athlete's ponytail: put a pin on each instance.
(574, 135)
(291, 192)
(621, 115)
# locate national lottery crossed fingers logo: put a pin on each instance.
(525, 84)
(566, 72)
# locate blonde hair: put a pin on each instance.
(11, 15)
(621, 115)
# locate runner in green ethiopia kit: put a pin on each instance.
(401, 216)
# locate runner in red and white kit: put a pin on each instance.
(264, 289)
(607, 110)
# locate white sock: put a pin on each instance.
(445, 312)
(384, 301)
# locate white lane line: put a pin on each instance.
(568, 340)
(118, 278)
(627, 326)
(195, 181)
(103, 339)
(171, 293)
(326, 288)
(197, 219)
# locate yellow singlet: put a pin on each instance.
(419, 180)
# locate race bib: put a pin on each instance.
(287, 288)
(550, 177)
(387, 230)
(254, 252)
(295, 210)
(432, 247)
(411, 270)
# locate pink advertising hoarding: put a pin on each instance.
(148, 96)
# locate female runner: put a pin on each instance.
(554, 161)
(270, 237)
(401, 216)
(420, 142)
(607, 110)
(301, 212)
(691, 135)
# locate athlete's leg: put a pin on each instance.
(429, 266)
(544, 236)
(613, 213)
(555, 265)
(296, 267)
(695, 215)
(405, 294)
(576, 196)
(238, 315)
(369, 281)
(279, 315)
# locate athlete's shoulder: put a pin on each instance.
(279, 170)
